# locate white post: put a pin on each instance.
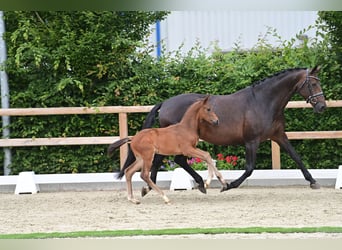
(338, 184)
(4, 95)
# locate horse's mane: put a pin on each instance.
(280, 73)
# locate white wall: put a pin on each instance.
(229, 27)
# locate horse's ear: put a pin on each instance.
(315, 70)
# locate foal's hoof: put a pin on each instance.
(315, 185)
(134, 201)
(166, 200)
(225, 188)
(202, 189)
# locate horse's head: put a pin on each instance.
(206, 113)
(309, 88)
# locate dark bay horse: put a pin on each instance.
(247, 117)
(177, 139)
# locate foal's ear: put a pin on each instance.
(206, 98)
(315, 70)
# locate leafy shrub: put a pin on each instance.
(41, 77)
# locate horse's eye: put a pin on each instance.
(208, 109)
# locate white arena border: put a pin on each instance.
(108, 181)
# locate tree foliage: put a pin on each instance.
(91, 59)
(331, 23)
(330, 27)
(69, 59)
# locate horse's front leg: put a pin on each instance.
(286, 145)
(212, 168)
(251, 149)
(210, 174)
(225, 185)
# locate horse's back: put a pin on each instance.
(174, 108)
(230, 109)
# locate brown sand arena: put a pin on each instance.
(109, 210)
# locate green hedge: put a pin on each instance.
(147, 80)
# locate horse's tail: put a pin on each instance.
(151, 116)
(112, 147)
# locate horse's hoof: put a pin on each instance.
(225, 188)
(315, 185)
(144, 191)
(202, 189)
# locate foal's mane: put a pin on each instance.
(276, 75)
(195, 106)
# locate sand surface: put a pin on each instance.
(110, 210)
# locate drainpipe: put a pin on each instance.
(158, 39)
(4, 96)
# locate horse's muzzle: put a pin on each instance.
(320, 107)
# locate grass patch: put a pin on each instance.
(173, 231)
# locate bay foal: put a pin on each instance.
(177, 139)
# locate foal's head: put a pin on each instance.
(310, 88)
(206, 112)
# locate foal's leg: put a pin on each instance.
(219, 176)
(157, 162)
(181, 160)
(129, 173)
(212, 168)
(145, 175)
(196, 152)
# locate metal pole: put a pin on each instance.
(158, 39)
(4, 95)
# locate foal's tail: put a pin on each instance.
(148, 123)
(112, 147)
(116, 144)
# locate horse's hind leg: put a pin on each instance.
(157, 162)
(251, 149)
(182, 161)
(145, 175)
(129, 173)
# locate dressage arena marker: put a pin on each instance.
(181, 180)
(338, 184)
(26, 183)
